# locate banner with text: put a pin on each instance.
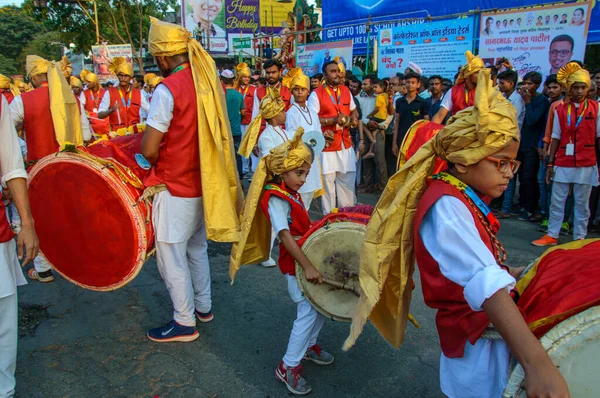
(242, 16)
(312, 57)
(437, 47)
(102, 55)
(541, 39)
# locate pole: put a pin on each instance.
(96, 21)
(368, 45)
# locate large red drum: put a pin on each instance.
(91, 223)
(418, 134)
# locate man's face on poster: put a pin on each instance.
(560, 54)
(498, 23)
(207, 10)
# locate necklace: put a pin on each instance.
(295, 197)
(281, 133)
(302, 112)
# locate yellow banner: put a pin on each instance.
(273, 13)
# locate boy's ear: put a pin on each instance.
(461, 168)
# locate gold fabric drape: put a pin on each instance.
(5, 84)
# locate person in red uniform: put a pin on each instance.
(462, 95)
(273, 71)
(123, 105)
(242, 84)
(91, 103)
(50, 119)
(188, 107)
(7, 89)
(334, 103)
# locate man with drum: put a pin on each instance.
(50, 118)
(124, 106)
(335, 106)
(91, 102)
(181, 107)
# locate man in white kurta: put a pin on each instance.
(13, 174)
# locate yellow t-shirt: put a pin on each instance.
(381, 103)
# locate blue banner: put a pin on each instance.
(344, 12)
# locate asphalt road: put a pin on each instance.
(80, 343)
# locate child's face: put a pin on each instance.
(412, 84)
(377, 89)
(278, 120)
(294, 179)
(484, 176)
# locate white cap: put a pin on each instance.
(415, 68)
(227, 74)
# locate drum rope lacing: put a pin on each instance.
(124, 173)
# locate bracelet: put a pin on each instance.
(549, 165)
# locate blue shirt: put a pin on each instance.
(534, 126)
(235, 103)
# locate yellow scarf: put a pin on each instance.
(63, 106)
(387, 256)
(254, 245)
(5, 84)
(222, 193)
(474, 64)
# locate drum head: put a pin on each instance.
(335, 251)
(574, 347)
(90, 227)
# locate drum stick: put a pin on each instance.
(342, 286)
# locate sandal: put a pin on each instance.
(43, 277)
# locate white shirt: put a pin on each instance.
(144, 113)
(295, 118)
(11, 167)
(450, 236)
(17, 112)
(105, 104)
(575, 175)
(447, 101)
(272, 137)
(280, 214)
(517, 101)
(161, 109)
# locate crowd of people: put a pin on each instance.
(495, 129)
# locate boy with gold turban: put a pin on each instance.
(462, 94)
(198, 191)
(7, 89)
(125, 105)
(242, 84)
(572, 158)
(300, 115)
(279, 176)
(444, 225)
(91, 102)
(50, 119)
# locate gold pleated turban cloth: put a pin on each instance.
(242, 69)
(271, 105)
(152, 80)
(295, 77)
(387, 256)
(89, 77)
(341, 66)
(221, 190)
(572, 73)
(5, 84)
(75, 82)
(474, 65)
(66, 67)
(63, 106)
(254, 245)
(120, 65)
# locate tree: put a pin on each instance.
(46, 45)
(8, 66)
(17, 28)
(120, 21)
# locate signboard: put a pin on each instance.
(205, 19)
(312, 57)
(536, 40)
(355, 12)
(437, 47)
(102, 55)
(242, 16)
(273, 13)
(243, 43)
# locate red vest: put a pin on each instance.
(92, 103)
(248, 94)
(6, 233)
(456, 322)
(129, 115)
(329, 110)
(286, 96)
(299, 226)
(37, 124)
(459, 98)
(178, 165)
(583, 136)
(8, 95)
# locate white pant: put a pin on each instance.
(581, 195)
(41, 263)
(307, 199)
(245, 161)
(338, 186)
(8, 344)
(306, 327)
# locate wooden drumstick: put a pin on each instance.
(342, 286)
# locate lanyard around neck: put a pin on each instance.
(585, 105)
(123, 98)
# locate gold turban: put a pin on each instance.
(66, 67)
(341, 66)
(63, 106)
(295, 77)
(89, 77)
(75, 82)
(572, 73)
(474, 65)
(120, 65)
(242, 69)
(270, 106)
(254, 245)
(222, 193)
(152, 80)
(5, 84)
(387, 256)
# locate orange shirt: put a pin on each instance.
(550, 122)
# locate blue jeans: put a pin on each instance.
(507, 204)
(545, 190)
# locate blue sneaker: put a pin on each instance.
(173, 332)
(204, 317)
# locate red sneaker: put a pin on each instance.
(545, 240)
(293, 380)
